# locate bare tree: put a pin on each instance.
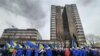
(92, 39)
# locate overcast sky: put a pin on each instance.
(36, 14)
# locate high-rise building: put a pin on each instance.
(66, 25)
(14, 33)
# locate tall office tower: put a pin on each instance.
(66, 25)
(14, 33)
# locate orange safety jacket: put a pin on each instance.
(67, 52)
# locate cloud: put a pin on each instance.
(86, 2)
(31, 9)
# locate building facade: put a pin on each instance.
(66, 25)
(14, 33)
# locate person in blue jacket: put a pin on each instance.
(28, 52)
(74, 51)
(78, 52)
(19, 52)
(95, 52)
(83, 52)
(48, 51)
(36, 52)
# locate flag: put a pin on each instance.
(74, 44)
(31, 44)
(18, 46)
(8, 45)
(46, 46)
(40, 46)
(12, 43)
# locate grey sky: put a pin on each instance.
(36, 14)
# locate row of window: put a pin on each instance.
(82, 43)
(19, 36)
(26, 34)
(53, 27)
(54, 35)
(78, 25)
(53, 32)
(52, 16)
(80, 32)
(20, 31)
(81, 39)
(78, 22)
(53, 22)
(77, 19)
(80, 36)
(80, 29)
(75, 14)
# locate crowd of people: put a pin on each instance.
(32, 49)
(50, 52)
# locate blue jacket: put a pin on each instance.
(95, 53)
(36, 52)
(28, 52)
(49, 52)
(19, 52)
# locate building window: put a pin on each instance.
(79, 25)
(53, 32)
(77, 19)
(78, 22)
(80, 39)
(80, 32)
(80, 36)
(53, 29)
(53, 22)
(79, 29)
(52, 18)
(53, 35)
(53, 25)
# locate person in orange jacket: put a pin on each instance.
(67, 52)
(14, 52)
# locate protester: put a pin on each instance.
(28, 52)
(36, 52)
(44, 50)
(67, 52)
(54, 52)
(10, 51)
(19, 52)
(14, 52)
(48, 51)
